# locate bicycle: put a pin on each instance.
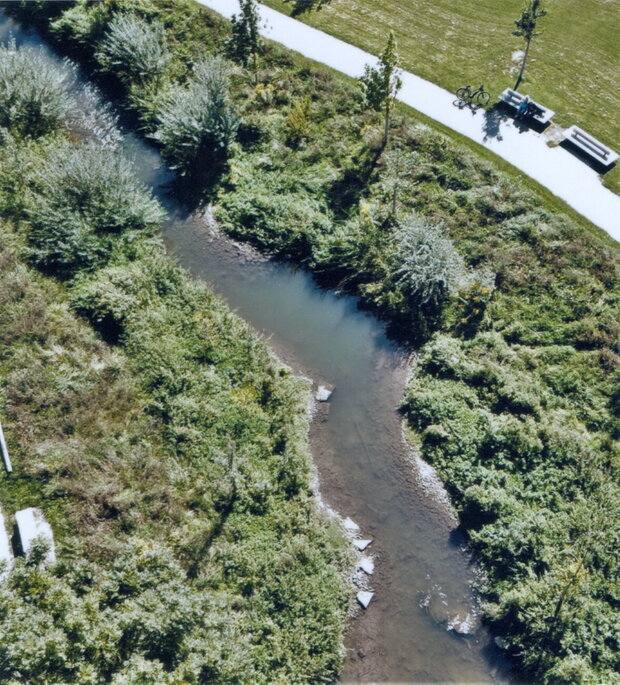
(480, 95)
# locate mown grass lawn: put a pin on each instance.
(573, 66)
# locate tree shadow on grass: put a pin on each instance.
(493, 120)
(303, 6)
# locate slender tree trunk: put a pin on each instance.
(386, 129)
(255, 61)
(520, 77)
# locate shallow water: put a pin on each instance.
(422, 576)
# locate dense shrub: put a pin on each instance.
(35, 96)
(82, 24)
(197, 125)
(286, 221)
(520, 438)
(427, 265)
(86, 195)
(133, 50)
(135, 622)
(177, 463)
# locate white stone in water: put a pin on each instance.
(367, 565)
(364, 597)
(6, 555)
(350, 525)
(464, 627)
(361, 544)
(31, 524)
(323, 394)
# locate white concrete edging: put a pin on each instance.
(5, 452)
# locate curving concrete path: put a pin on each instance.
(555, 168)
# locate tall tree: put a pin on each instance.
(526, 27)
(382, 83)
(245, 42)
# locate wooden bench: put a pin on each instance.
(591, 146)
(514, 99)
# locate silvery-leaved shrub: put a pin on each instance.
(197, 125)
(134, 50)
(35, 93)
(86, 196)
(428, 267)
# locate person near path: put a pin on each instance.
(523, 108)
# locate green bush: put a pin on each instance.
(82, 25)
(35, 93)
(427, 265)
(135, 622)
(196, 515)
(133, 50)
(286, 223)
(87, 196)
(197, 125)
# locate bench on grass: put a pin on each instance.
(537, 111)
(591, 146)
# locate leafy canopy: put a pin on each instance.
(245, 42)
(381, 84)
(526, 23)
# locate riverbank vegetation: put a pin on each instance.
(163, 442)
(514, 308)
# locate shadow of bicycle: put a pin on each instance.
(462, 104)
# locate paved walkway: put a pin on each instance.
(555, 168)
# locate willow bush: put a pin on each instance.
(197, 124)
(86, 195)
(133, 50)
(428, 267)
(35, 94)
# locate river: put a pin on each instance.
(423, 577)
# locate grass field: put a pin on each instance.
(573, 65)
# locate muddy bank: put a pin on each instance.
(423, 578)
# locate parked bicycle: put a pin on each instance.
(480, 96)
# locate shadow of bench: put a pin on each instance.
(589, 149)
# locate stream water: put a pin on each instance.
(423, 578)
